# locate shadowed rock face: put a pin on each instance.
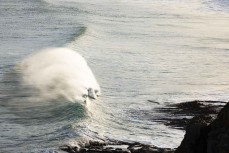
(203, 138)
(218, 137)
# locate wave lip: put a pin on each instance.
(59, 72)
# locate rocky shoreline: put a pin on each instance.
(115, 147)
(180, 115)
(206, 124)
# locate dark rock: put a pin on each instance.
(120, 150)
(179, 115)
(83, 150)
(69, 149)
(99, 147)
(155, 102)
(218, 136)
(94, 151)
(194, 140)
(202, 137)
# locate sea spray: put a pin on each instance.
(58, 72)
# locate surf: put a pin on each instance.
(58, 73)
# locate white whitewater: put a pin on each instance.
(59, 72)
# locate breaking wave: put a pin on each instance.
(58, 72)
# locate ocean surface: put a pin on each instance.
(167, 51)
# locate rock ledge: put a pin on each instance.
(115, 147)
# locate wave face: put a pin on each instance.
(58, 72)
(46, 98)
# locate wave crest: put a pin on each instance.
(59, 72)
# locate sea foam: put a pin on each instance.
(59, 72)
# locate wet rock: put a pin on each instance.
(101, 147)
(179, 115)
(69, 149)
(152, 101)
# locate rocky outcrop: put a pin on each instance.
(218, 136)
(202, 137)
(115, 147)
(180, 115)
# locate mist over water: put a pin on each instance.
(57, 72)
(166, 51)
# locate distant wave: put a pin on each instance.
(58, 72)
(79, 33)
